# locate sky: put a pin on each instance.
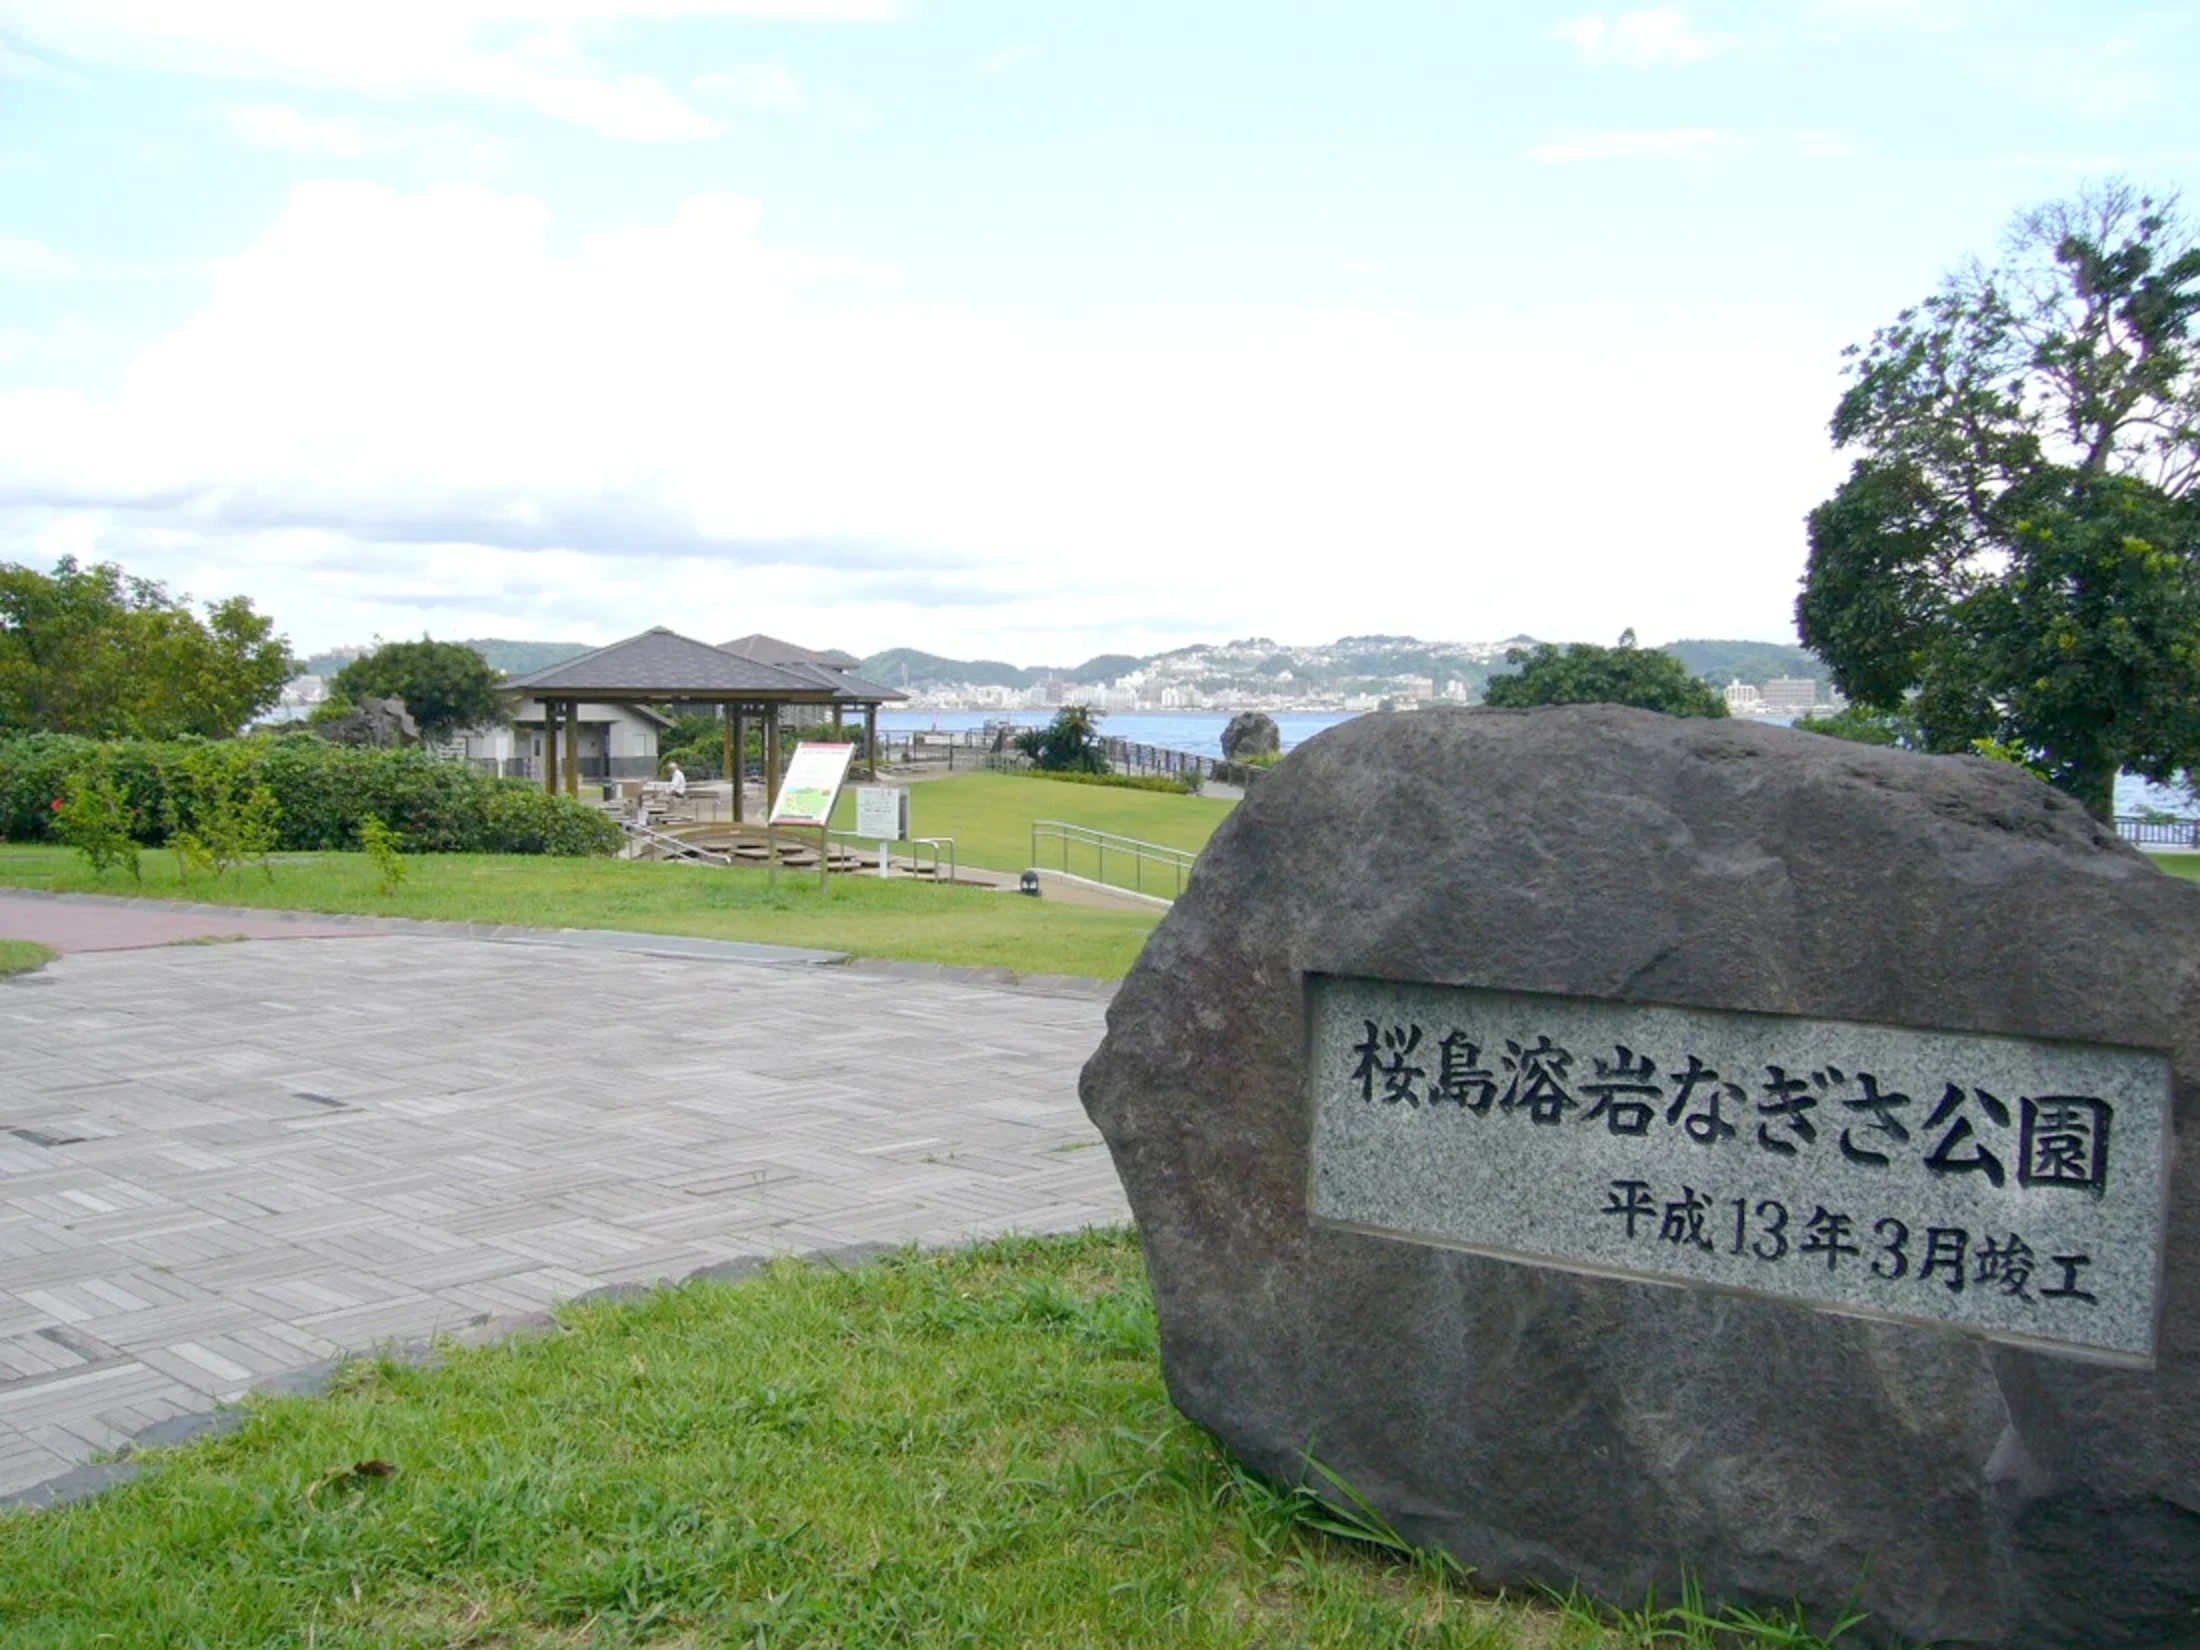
(999, 328)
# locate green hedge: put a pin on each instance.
(1116, 781)
(322, 790)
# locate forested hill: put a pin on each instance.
(524, 658)
(905, 665)
(512, 658)
(1351, 664)
(1753, 662)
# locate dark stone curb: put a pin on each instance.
(313, 1380)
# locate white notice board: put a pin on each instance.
(882, 813)
(813, 780)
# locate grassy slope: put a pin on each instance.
(990, 816)
(907, 920)
(2179, 865)
(972, 1450)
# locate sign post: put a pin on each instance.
(882, 814)
(814, 776)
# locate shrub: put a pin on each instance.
(1187, 786)
(1068, 744)
(221, 813)
(379, 843)
(320, 795)
(95, 820)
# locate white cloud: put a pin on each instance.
(2098, 80)
(1641, 39)
(15, 65)
(272, 126)
(1581, 146)
(404, 409)
(764, 86)
(1844, 17)
(403, 48)
(34, 261)
(1825, 145)
(1008, 58)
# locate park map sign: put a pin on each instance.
(2010, 1186)
(812, 783)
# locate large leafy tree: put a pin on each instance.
(1588, 675)
(94, 651)
(445, 685)
(2012, 559)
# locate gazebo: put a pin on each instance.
(662, 667)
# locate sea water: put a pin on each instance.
(1200, 733)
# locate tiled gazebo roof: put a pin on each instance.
(770, 650)
(660, 664)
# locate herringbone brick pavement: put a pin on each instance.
(221, 1163)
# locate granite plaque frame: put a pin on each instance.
(2012, 1187)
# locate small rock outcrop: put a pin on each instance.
(381, 723)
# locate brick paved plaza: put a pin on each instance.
(222, 1162)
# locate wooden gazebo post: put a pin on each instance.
(771, 756)
(572, 747)
(870, 740)
(550, 746)
(737, 733)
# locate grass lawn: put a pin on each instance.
(901, 919)
(21, 956)
(990, 816)
(972, 1450)
(2179, 865)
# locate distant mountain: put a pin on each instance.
(1753, 662)
(906, 667)
(525, 658)
(1103, 667)
(512, 658)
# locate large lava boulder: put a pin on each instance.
(1250, 733)
(1556, 1424)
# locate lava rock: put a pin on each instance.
(1553, 1427)
(1250, 733)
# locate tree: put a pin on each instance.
(1584, 674)
(1068, 744)
(1894, 729)
(2012, 558)
(445, 685)
(94, 651)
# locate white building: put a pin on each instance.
(1789, 695)
(616, 742)
(1742, 699)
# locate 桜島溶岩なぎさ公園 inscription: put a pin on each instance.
(2004, 1185)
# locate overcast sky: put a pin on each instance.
(998, 327)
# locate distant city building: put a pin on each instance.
(1743, 700)
(1789, 695)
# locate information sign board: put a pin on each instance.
(882, 813)
(812, 782)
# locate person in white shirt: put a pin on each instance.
(679, 783)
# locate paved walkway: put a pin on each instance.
(126, 924)
(219, 1164)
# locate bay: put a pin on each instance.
(1200, 734)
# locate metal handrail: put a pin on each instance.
(1175, 860)
(665, 842)
(2162, 833)
(935, 843)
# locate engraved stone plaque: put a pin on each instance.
(2007, 1186)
